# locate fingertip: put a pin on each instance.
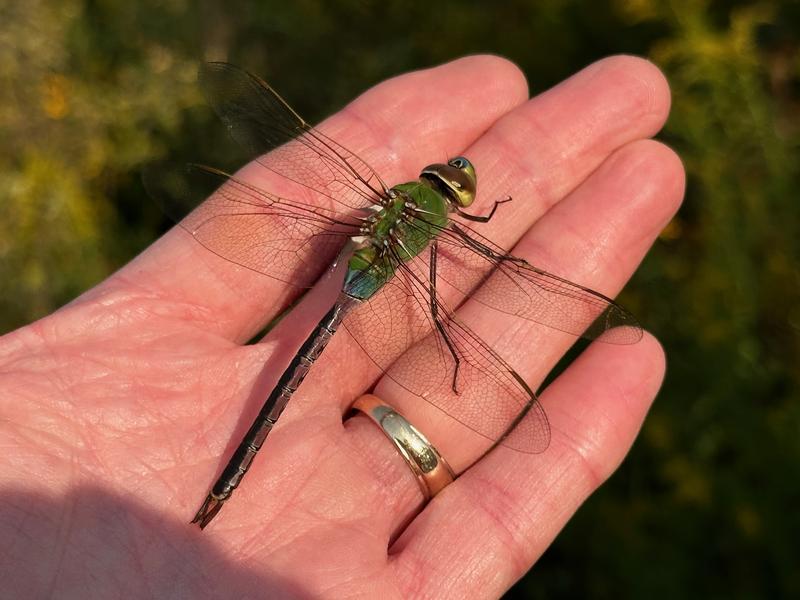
(639, 372)
(656, 171)
(647, 360)
(642, 82)
(495, 76)
(638, 369)
(673, 173)
(485, 86)
(657, 153)
(598, 405)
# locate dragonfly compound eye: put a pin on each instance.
(456, 180)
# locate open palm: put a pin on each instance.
(118, 409)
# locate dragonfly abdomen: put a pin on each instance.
(290, 380)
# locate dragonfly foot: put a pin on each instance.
(208, 511)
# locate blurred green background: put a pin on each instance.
(708, 502)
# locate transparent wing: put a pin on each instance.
(282, 142)
(396, 330)
(289, 241)
(476, 266)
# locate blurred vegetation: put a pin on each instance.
(707, 503)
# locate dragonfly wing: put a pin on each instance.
(396, 330)
(477, 267)
(286, 240)
(283, 143)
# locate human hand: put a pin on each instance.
(119, 408)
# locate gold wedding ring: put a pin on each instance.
(430, 469)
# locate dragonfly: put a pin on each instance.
(413, 254)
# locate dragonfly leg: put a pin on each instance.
(485, 250)
(485, 219)
(435, 316)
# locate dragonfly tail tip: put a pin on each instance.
(207, 511)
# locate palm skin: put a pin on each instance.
(119, 409)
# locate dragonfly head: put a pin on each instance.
(456, 180)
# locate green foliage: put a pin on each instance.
(79, 104)
(706, 504)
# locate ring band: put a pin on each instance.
(430, 469)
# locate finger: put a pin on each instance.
(495, 521)
(597, 236)
(413, 115)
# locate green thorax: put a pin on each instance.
(400, 230)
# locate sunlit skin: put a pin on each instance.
(117, 408)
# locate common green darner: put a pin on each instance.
(403, 245)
